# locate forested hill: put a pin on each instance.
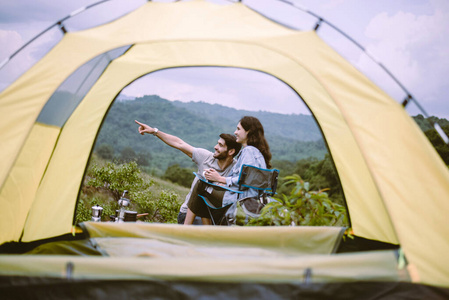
(426, 123)
(296, 127)
(291, 137)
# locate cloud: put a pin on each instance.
(414, 48)
(410, 42)
(10, 41)
(238, 88)
(333, 4)
(27, 57)
(37, 10)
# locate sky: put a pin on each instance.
(409, 37)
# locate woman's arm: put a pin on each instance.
(249, 156)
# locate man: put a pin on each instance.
(221, 160)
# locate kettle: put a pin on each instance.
(97, 211)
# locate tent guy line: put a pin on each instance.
(58, 23)
(407, 99)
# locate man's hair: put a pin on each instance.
(231, 143)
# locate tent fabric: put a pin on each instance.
(72, 91)
(83, 247)
(30, 165)
(205, 253)
(393, 180)
(80, 131)
(370, 266)
(319, 240)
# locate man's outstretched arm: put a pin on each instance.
(169, 139)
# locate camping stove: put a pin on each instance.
(123, 202)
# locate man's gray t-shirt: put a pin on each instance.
(204, 159)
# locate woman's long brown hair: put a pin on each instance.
(256, 137)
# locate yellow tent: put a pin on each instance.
(395, 185)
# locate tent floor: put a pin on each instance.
(50, 288)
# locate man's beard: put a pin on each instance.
(221, 155)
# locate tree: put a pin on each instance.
(127, 155)
(143, 158)
(440, 146)
(179, 175)
(106, 151)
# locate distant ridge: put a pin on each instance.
(297, 127)
(291, 137)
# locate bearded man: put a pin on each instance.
(221, 160)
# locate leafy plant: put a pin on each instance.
(106, 183)
(84, 208)
(162, 207)
(117, 178)
(302, 207)
(181, 176)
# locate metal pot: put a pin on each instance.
(130, 216)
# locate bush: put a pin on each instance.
(302, 207)
(84, 208)
(105, 185)
(181, 176)
(106, 151)
(163, 208)
(128, 155)
(117, 178)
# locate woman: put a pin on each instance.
(255, 152)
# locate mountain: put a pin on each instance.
(122, 97)
(296, 127)
(291, 137)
